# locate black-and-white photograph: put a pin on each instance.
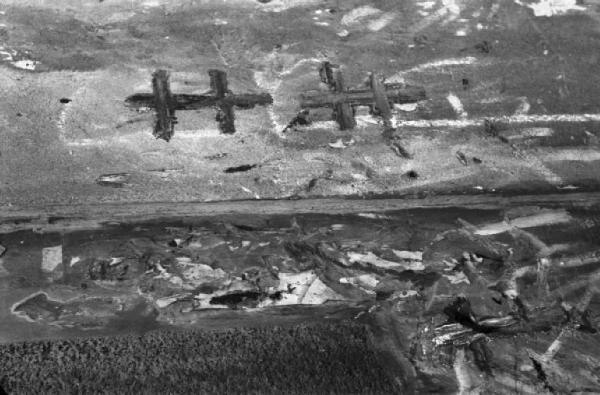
(300, 197)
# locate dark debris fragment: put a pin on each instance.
(238, 169)
(462, 158)
(299, 120)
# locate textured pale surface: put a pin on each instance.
(539, 71)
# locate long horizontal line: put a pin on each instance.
(88, 216)
(511, 119)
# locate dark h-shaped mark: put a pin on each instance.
(165, 103)
(379, 97)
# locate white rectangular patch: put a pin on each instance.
(51, 258)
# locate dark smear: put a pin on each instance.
(163, 103)
(241, 168)
(206, 289)
(299, 120)
(130, 121)
(412, 174)
(491, 128)
(326, 74)
(311, 184)
(303, 253)
(542, 375)
(225, 116)
(235, 298)
(460, 311)
(483, 47)
(56, 219)
(462, 158)
(383, 294)
(65, 100)
(586, 324)
(246, 228)
(521, 308)
(400, 150)
(476, 160)
(299, 250)
(465, 83)
(278, 295)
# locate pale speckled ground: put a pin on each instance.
(98, 53)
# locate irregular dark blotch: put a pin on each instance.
(412, 174)
(235, 298)
(237, 169)
(483, 47)
(311, 184)
(461, 311)
(246, 228)
(383, 295)
(278, 295)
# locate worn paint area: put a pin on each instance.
(496, 80)
(476, 298)
(552, 7)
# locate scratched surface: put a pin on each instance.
(526, 68)
(459, 301)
